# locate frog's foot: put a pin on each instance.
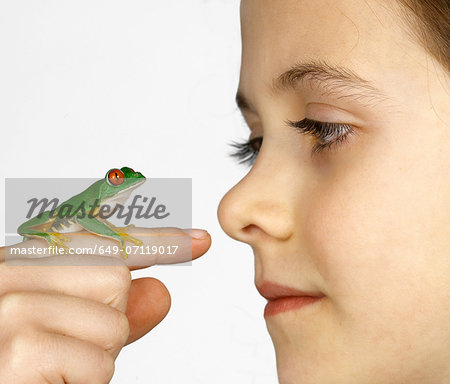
(56, 238)
(123, 229)
(127, 237)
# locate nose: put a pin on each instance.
(258, 207)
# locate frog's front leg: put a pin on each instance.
(118, 229)
(122, 231)
(100, 228)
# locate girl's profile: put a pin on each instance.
(348, 195)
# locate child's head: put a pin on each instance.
(361, 211)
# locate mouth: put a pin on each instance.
(131, 187)
(121, 196)
(282, 298)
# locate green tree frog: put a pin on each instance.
(85, 211)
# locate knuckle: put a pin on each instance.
(20, 350)
(12, 305)
(18, 358)
(101, 366)
(120, 278)
(121, 330)
(107, 367)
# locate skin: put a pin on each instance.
(68, 323)
(366, 224)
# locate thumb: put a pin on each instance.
(148, 303)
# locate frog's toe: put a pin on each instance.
(62, 237)
(127, 237)
(124, 229)
(57, 239)
(124, 252)
(134, 240)
(57, 242)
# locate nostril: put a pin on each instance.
(250, 229)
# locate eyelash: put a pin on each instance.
(245, 153)
(321, 131)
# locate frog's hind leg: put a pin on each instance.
(52, 238)
(42, 227)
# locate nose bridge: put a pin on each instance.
(259, 205)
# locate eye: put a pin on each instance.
(116, 177)
(131, 169)
(247, 151)
(328, 135)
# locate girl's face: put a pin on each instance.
(365, 221)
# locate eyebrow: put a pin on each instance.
(333, 80)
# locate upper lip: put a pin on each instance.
(272, 291)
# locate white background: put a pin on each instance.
(90, 85)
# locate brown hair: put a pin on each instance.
(429, 21)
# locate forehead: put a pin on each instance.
(361, 35)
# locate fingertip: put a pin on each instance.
(200, 246)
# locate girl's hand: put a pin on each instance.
(65, 318)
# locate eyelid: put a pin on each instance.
(328, 135)
(320, 129)
(330, 113)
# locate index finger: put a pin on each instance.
(167, 245)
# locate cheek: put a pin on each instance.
(350, 233)
(379, 229)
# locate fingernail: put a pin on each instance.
(196, 233)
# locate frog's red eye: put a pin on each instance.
(131, 169)
(116, 177)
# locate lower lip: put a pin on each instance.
(284, 304)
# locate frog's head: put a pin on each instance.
(119, 183)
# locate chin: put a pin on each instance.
(299, 358)
(292, 370)
(293, 365)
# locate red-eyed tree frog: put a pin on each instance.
(84, 211)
